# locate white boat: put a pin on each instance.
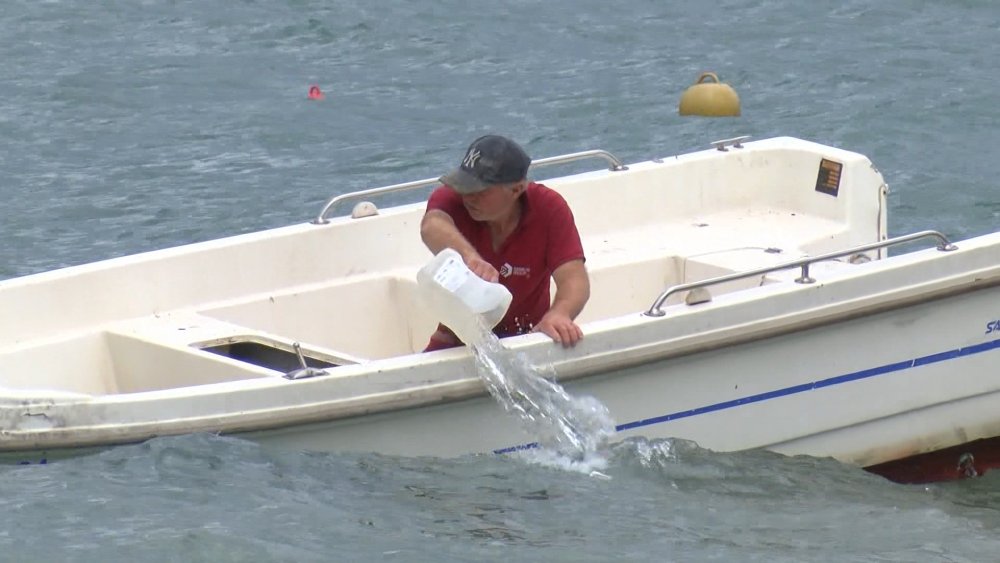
(743, 297)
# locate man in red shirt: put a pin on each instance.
(512, 231)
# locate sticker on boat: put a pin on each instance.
(828, 180)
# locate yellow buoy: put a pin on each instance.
(711, 99)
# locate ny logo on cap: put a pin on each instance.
(470, 158)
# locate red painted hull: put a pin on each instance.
(958, 462)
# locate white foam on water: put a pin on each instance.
(570, 431)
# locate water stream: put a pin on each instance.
(569, 431)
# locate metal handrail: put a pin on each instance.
(615, 165)
(656, 310)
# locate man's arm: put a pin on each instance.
(438, 231)
(572, 293)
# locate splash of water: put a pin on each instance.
(570, 430)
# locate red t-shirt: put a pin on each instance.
(544, 239)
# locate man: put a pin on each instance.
(512, 231)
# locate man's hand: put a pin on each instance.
(482, 268)
(560, 328)
(438, 231)
(572, 292)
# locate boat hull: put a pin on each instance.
(831, 390)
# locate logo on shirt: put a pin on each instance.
(507, 270)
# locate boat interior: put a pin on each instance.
(344, 292)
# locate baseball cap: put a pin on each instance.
(489, 160)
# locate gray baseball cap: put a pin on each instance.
(489, 160)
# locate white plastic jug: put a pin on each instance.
(456, 296)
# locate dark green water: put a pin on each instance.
(129, 126)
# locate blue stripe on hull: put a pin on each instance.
(795, 389)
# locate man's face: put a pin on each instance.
(493, 203)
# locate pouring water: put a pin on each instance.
(572, 428)
(569, 429)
